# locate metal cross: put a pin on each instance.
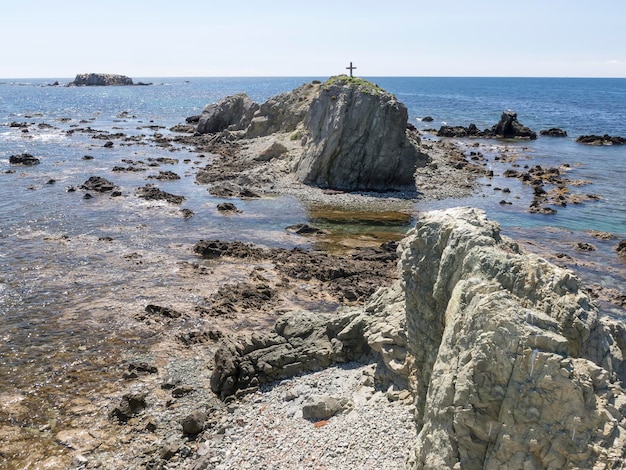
(351, 68)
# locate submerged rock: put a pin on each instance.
(25, 159)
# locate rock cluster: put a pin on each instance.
(601, 140)
(350, 134)
(507, 128)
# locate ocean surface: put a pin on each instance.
(51, 318)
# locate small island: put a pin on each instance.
(103, 79)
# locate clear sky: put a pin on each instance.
(159, 38)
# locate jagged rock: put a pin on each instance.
(129, 406)
(24, 159)
(621, 248)
(98, 184)
(511, 366)
(507, 128)
(357, 139)
(100, 79)
(601, 140)
(233, 113)
(152, 193)
(303, 341)
(553, 132)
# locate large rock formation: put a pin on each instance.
(101, 79)
(233, 112)
(509, 363)
(357, 139)
(512, 366)
(508, 127)
(351, 134)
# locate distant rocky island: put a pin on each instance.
(103, 79)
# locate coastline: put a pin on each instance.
(180, 281)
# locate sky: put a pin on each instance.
(158, 38)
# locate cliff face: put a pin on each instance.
(352, 135)
(357, 139)
(511, 366)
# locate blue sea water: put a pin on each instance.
(36, 296)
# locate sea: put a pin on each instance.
(58, 338)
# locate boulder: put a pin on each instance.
(98, 184)
(233, 113)
(512, 367)
(25, 159)
(601, 140)
(553, 132)
(357, 139)
(101, 79)
(510, 128)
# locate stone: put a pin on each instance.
(601, 140)
(152, 193)
(319, 407)
(130, 405)
(25, 159)
(98, 184)
(193, 423)
(509, 127)
(553, 132)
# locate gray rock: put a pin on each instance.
(357, 140)
(194, 423)
(512, 367)
(233, 113)
(323, 407)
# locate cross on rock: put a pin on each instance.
(351, 68)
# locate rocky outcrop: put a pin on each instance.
(601, 140)
(508, 127)
(357, 139)
(101, 79)
(345, 134)
(553, 132)
(232, 113)
(25, 159)
(512, 367)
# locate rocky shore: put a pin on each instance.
(450, 347)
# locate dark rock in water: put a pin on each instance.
(227, 207)
(87, 157)
(304, 229)
(25, 159)
(582, 246)
(427, 119)
(601, 140)
(192, 119)
(553, 132)
(100, 79)
(621, 248)
(509, 127)
(153, 193)
(187, 213)
(108, 144)
(233, 113)
(165, 176)
(163, 311)
(98, 184)
(129, 406)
